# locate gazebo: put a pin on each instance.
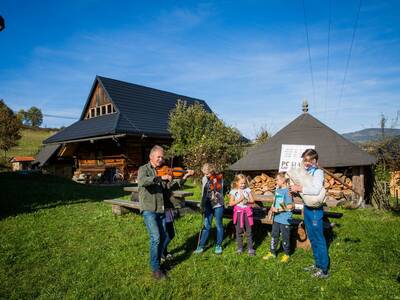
(334, 150)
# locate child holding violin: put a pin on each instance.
(212, 204)
(241, 198)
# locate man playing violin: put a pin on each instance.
(154, 194)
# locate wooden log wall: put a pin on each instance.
(126, 154)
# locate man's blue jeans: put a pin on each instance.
(208, 216)
(315, 230)
(154, 223)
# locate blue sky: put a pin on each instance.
(247, 59)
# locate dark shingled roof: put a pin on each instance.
(333, 149)
(140, 110)
(45, 154)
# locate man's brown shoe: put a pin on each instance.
(159, 275)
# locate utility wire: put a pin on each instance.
(59, 117)
(348, 59)
(309, 52)
(328, 57)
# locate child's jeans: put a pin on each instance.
(218, 213)
(277, 229)
(169, 235)
(240, 231)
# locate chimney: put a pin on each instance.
(305, 106)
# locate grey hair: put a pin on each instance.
(156, 148)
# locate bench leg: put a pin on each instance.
(135, 197)
(119, 210)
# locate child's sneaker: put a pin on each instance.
(252, 252)
(285, 258)
(198, 250)
(321, 274)
(167, 256)
(269, 256)
(239, 251)
(218, 250)
(311, 268)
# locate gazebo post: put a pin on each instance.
(359, 182)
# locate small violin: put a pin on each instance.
(176, 172)
(215, 182)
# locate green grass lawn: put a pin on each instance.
(30, 142)
(59, 240)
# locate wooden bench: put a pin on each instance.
(120, 207)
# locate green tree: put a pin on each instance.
(262, 136)
(200, 137)
(22, 117)
(9, 128)
(35, 116)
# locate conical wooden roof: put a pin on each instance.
(333, 149)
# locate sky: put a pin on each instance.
(249, 60)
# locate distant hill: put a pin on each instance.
(370, 134)
(30, 142)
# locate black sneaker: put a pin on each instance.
(321, 274)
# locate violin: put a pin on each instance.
(176, 172)
(215, 182)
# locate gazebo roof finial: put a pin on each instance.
(305, 106)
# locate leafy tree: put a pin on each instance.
(35, 116)
(387, 153)
(200, 137)
(9, 128)
(22, 116)
(262, 136)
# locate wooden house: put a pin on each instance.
(335, 152)
(119, 124)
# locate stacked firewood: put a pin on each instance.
(395, 183)
(262, 184)
(335, 189)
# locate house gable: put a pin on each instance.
(99, 103)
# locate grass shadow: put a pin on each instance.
(28, 193)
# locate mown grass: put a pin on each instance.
(54, 247)
(30, 142)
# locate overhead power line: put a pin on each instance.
(309, 52)
(59, 117)
(328, 57)
(348, 58)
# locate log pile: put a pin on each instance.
(335, 189)
(395, 183)
(262, 184)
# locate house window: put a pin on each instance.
(109, 108)
(98, 111)
(92, 113)
(113, 109)
(103, 110)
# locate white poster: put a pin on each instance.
(291, 156)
